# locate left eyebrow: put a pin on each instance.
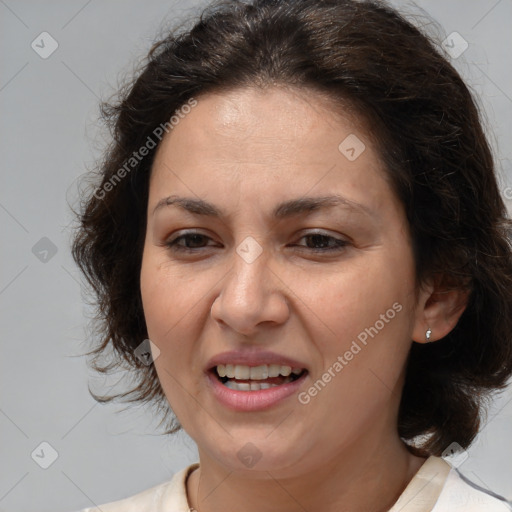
(300, 206)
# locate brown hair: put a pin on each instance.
(430, 137)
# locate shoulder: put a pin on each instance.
(460, 494)
(148, 500)
(170, 495)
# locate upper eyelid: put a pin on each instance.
(305, 231)
(187, 233)
(312, 232)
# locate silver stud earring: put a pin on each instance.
(428, 334)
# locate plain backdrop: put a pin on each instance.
(49, 136)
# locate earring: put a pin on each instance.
(428, 333)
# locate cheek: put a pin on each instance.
(155, 298)
(163, 311)
(175, 309)
(168, 295)
(348, 300)
(361, 330)
(168, 311)
(360, 313)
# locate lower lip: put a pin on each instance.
(253, 400)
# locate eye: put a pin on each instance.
(323, 243)
(316, 242)
(192, 241)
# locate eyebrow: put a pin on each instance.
(302, 205)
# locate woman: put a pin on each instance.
(299, 210)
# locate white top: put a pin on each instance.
(436, 487)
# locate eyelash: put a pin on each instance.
(173, 244)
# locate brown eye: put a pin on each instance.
(191, 242)
(319, 242)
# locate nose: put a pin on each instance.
(251, 296)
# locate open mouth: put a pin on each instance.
(256, 378)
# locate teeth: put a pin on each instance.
(242, 372)
(245, 386)
(285, 370)
(259, 372)
(273, 370)
(262, 372)
(230, 371)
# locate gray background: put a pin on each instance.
(48, 137)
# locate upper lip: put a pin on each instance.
(250, 358)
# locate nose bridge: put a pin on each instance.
(248, 296)
(249, 279)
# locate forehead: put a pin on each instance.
(246, 118)
(267, 141)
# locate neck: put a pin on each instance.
(366, 477)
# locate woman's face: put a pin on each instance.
(243, 269)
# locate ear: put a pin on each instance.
(439, 308)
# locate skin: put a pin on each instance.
(245, 151)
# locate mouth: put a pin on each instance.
(255, 378)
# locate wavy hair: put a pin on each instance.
(428, 130)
